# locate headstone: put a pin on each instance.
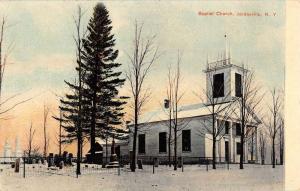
(18, 151)
(56, 160)
(130, 158)
(179, 162)
(156, 162)
(113, 157)
(140, 164)
(17, 166)
(65, 154)
(6, 152)
(50, 160)
(61, 164)
(70, 157)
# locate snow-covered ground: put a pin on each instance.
(253, 177)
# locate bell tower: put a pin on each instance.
(223, 79)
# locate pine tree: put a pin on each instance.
(101, 78)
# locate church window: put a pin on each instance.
(238, 148)
(218, 85)
(238, 85)
(142, 143)
(186, 140)
(226, 127)
(162, 142)
(238, 129)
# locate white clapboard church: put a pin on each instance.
(194, 140)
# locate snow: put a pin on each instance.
(194, 177)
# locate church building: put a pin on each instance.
(194, 140)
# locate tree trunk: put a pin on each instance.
(281, 148)
(214, 138)
(60, 115)
(133, 160)
(214, 153)
(169, 143)
(242, 153)
(93, 127)
(273, 152)
(281, 156)
(106, 151)
(78, 154)
(242, 134)
(175, 147)
(252, 146)
(136, 112)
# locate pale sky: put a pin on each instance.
(44, 51)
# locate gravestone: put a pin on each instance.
(70, 157)
(50, 160)
(61, 164)
(156, 162)
(130, 158)
(64, 156)
(114, 163)
(56, 160)
(179, 162)
(17, 167)
(140, 164)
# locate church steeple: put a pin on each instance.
(223, 77)
(227, 56)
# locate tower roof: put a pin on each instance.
(223, 63)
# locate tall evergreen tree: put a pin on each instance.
(101, 78)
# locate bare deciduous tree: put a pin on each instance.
(281, 140)
(249, 104)
(3, 57)
(59, 135)
(174, 95)
(273, 122)
(30, 146)
(144, 56)
(168, 109)
(9, 103)
(46, 138)
(79, 51)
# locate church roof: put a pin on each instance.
(183, 112)
(193, 110)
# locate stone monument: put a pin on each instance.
(113, 157)
(7, 152)
(18, 152)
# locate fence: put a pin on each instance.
(40, 166)
(164, 160)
